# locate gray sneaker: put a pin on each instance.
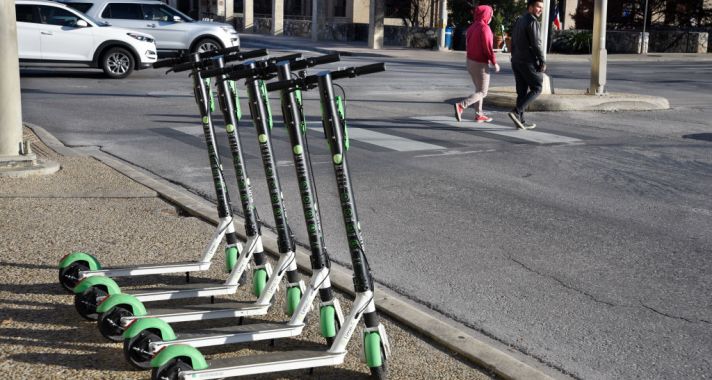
(528, 125)
(515, 118)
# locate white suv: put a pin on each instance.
(172, 29)
(48, 32)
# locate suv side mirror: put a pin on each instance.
(177, 19)
(81, 24)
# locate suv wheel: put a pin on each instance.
(206, 44)
(117, 63)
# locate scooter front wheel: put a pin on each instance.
(110, 323)
(136, 349)
(86, 302)
(69, 275)
(259, 281)
(170, 370)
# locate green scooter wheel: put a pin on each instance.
(375, 357)
(136, 349)
(69, 275)
(328, 324)
(259, 281)
(170, 370)
(86, 303)
(110, 323)
(294, 295)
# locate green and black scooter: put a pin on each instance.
(95, 286)
(122, 310)
(185, 362)
(146, 337)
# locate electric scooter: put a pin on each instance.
(76, 266)
(96, 287)
(146, 337)
(121, 310)
(185, 362)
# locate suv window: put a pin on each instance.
(123, 11)
(81, 7)
(57, 16)
(159, 12)
(25, 13)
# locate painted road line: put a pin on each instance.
(502, 130)
(400, 144)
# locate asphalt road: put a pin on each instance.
(584, 243)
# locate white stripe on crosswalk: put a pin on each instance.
(397, 143)
(502, 130)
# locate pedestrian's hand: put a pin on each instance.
(496, 67)
(542, 68)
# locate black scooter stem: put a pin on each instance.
(226, 100)
(293, 116)
(333, 129)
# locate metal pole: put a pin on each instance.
(10, 107)
(443, 24)
(545, 23)
(375, 24)
(599, 55)
(643, 40)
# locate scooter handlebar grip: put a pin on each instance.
(370, 69)
(329, 58)
(281, 85)
(214, 72)
(246, 55)
(215, 53)
(168, 62)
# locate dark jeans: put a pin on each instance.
(529, 82)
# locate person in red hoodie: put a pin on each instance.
(480, 55)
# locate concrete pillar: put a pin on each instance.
(442, 24)
(248, 16)
(229, 11)
(569, 9)
(277, 17)
(10, 107)
(318, 18)
(375, 24)
(599, 56)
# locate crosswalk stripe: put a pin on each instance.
(397, 143)
(502, 130)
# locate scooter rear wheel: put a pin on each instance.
(170, 370)
(136, 349)
(86, 302)
(110, 323)
(69, 275)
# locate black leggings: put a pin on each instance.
(529, 82)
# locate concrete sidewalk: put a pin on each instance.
(92, 207)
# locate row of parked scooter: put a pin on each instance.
(153, 337)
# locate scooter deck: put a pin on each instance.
(181, 291)
(264, 363)
(205, 311)
(235, 334)
(148, 269)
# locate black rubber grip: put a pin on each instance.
(168, 62)
(313, 61)
(246, 55)
(281, 85)
(370, 69)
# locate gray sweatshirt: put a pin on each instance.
(526, 41)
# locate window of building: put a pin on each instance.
(339, 8)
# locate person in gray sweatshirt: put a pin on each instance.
(528, 62)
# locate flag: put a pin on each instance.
(557, 20)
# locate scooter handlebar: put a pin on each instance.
(314, 61)
(185, 56)
(246, 55)
(209, 61)
(358, 71)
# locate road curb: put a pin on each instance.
(576, 100)
(450, 335)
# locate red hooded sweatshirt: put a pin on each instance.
(479, 36)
